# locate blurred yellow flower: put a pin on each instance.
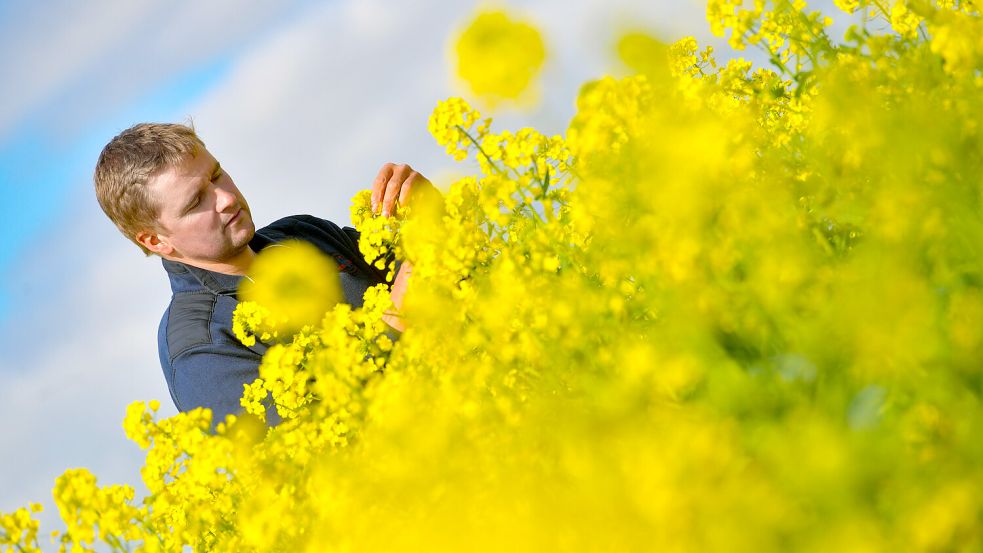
(644, 54)
(498, 56)
(295, 281)
(848, 6)
(958, 39)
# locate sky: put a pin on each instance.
(301, 101)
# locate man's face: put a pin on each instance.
(203, 218)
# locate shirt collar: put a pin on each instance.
(188, 278)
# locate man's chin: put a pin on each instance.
(245, 234)
(247, 220)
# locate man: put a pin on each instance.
(167, 193)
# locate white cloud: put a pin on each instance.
(72, 62)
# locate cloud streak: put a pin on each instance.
(78, 62)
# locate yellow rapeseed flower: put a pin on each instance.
(452, 124)
(498, 56)
(904, 21)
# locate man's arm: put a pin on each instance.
(395, 318)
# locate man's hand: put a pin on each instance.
(396, 183)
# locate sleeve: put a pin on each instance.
(212, 376)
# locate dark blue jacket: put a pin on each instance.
(204, 364)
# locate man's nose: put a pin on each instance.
(224, 198)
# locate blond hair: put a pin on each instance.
(127, 164)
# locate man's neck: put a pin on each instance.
(237, 265)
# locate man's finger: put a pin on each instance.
(415, 180)
(379, 185)
(400, 173)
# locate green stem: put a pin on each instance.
(774, 58)
(480, 150)
(922, 33)
(821, 35)
(883, 9)
(149, 530)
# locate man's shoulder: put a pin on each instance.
(186, 323)
(301, 226)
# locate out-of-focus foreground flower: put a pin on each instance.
(498, 56)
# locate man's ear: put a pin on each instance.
(154, 242)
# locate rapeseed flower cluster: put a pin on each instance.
(452, 124)
(732, 308)
(19, 531)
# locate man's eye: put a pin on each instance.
(217, 176)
